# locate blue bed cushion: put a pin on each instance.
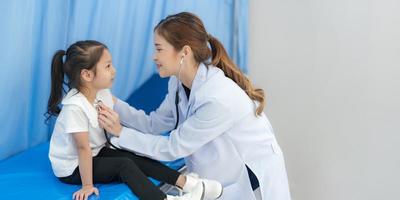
(28, 175)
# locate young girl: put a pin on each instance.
(78, 150)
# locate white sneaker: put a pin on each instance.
(197, 193)
(212, 189)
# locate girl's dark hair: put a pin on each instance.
(187, 29)
(80, 55)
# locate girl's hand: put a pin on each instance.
(85, 192)
(109, 120)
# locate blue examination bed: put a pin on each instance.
(28, 175)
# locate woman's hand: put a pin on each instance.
(109, 120)
(85, 192)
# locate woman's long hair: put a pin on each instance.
(187, 29)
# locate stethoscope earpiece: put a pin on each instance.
(180, 63)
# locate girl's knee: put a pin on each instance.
(126, 163)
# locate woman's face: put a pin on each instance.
(165, 56)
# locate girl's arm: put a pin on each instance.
(85, 166)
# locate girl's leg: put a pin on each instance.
(157, 170)
(107, 169)
(151, 168)
(120, 169)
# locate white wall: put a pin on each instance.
(331, 70)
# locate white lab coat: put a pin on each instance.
(218, 135)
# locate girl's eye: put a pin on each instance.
(158, 49)
(108, 66)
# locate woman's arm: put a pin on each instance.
(161, 120)
(157, 122)
(85, 166)
(210, 120)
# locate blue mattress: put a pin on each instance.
(28, 175)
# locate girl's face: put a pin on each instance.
(165, 56)
(105, 72)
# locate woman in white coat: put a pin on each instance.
(215, 114)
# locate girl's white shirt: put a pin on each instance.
(77, 115)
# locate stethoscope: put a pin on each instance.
(97, 107)
(177, 93)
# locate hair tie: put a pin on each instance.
(64, 56)
(209, 36)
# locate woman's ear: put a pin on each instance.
(186, 50)
(87, 75)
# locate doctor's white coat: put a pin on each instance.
(218, 135)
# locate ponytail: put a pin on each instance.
(57, 80)
(221, 60)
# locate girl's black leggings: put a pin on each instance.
(112, 165)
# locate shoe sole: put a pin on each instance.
(222, 191)
(204, 191)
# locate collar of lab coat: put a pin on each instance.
(199, 79)
(76, 98)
